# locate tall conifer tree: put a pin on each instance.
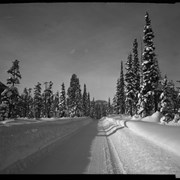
(37, 101)
(136, 75)
(121, 94)
(129, 78)
(149, 71)
(62, 102)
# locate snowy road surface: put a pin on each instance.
(99, 149)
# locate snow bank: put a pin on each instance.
(17, 143)
(163, 135)
(153, 118)
(7, 121)
(166, 136)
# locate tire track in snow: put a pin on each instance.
(101, 160)
(117, 165)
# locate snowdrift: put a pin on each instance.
(18, 143)
(153, 118)
(166, 136)
(151, 129)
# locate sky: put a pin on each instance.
(52, 41)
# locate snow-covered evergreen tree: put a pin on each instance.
(85, 101)
(114, 103)
(98, 111)
(25, 103)
(62, 102)
(92, 109)
(130, 89)
(78, 98)
(30, 103)
(136, 75)
(74, 97)
(149, 72)
(116, 99)
(10, 95)
(88, 104)
(37, 101)
(121, 95)
(56, 104)
(48, 99)
(166, 99)
(109, 107)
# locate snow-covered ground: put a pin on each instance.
(151, 128)
(145, 146)
(112, 145)
(21, 138)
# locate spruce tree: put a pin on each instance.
(92, 109)
(85, 101)
(25, 102)
(130, 89)
(48, 99)
(166, 99)
(98, 111)
(37, 101)
(62, 102)
(30, 103)
(149, 72)
(88, 104)
(116, 99)
(55, 108)
(136, 75)
(114, 104)
(74, 97)
(78, 100)
(121, 94)
(11, 93)
(109, 107)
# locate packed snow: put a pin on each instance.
(151, 128)
(145, 147)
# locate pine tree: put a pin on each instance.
(31, 104)
(11, 94)
(149, 72)
(62, 102)
(85, 101)
(136, 76)
(92, 109)
(79, 111)
(109, 107)
(98, 111)
(114, 103)
(116, 99)
(74, 97)
(157, 82)
(15, 74)
(130, 89)
(121, 94)
(25, 103)
(88, 104)
(166, 99)
(37, 101)
(55, 108)
(48, 99)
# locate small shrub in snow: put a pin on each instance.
(176, 118)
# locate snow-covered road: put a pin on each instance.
(100, 149)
